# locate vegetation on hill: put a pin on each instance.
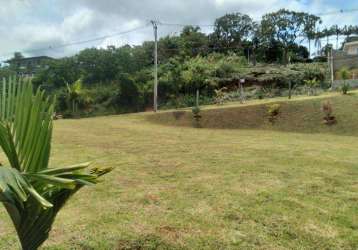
(117, 80)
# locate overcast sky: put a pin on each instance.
(35, 24)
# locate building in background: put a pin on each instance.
(347, 57)
(28, 66)
(350, 47)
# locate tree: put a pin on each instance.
(168, 47)
(31, 192)
(196, 75)
(310, 28)
(128, 97)
(97, 65)
(283, 26)
(231, 30)
(192, 41)
(18, 55)
(74, 92)
(14, 62)
(349, 30)
(337, 31)
(58, 73)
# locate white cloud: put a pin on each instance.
(33, 24)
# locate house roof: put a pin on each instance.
(29, 59)
(352, 39)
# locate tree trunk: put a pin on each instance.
(285, 56)
(254, 56)
(73, 107)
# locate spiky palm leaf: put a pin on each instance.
(31, 192)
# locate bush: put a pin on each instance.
(327, 109)
(345, 88)
(220, 96)
(259, 93)
(312, 86)
(196, 115)
(344, 74)
(273, 112)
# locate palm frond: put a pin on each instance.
(31, 192)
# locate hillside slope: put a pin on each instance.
(303, 115)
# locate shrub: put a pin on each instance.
(196, 115)
(273, 112)
(327, 109)
(344, 74)
(259, 93)
(312, 85)
(345, 88)
(220, 96)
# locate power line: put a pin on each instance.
(184, 25)
(81, 42)
(342, 11)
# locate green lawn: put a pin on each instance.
(238, 183)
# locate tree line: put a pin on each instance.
(124, 74)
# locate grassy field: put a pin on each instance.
(238, 183)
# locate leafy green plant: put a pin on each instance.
(196, 115)
(345, 88)
(327, 109)
(74, 92)
(220, 96)
(31, 192)
(259, 93)
(312, 85)
(344, 74)
(273, 111)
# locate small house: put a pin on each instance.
(351, 46)
(28, 66)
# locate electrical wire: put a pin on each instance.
(82, 41)
(342, 11)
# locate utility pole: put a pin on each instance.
(155, 100)
(331, 68)
(197, 98)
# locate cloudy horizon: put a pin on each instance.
(28, 25)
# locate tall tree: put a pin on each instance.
(337, 31)
(232, 29)
(310, 28)
(283, 26)
(193, 41)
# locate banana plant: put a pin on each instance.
(31, 192)
(74, 92)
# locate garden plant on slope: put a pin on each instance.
(31, 192)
